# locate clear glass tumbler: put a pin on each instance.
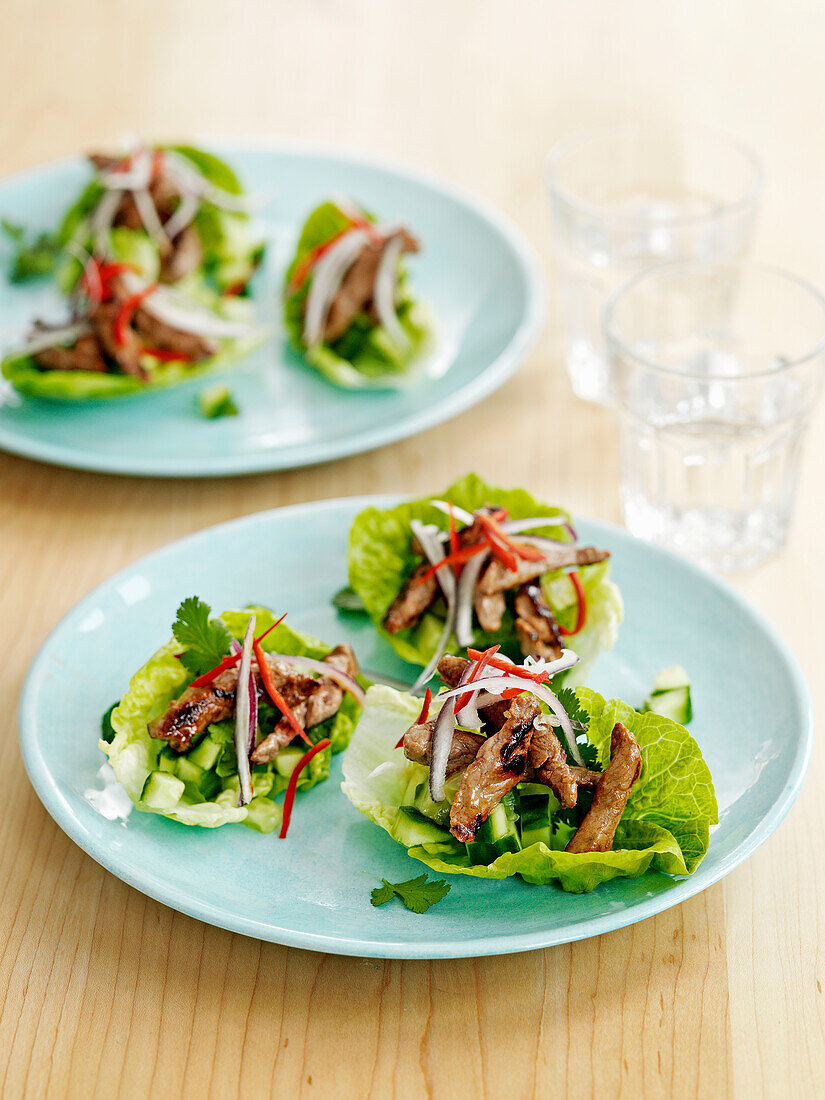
(628, 198)
(715, 371)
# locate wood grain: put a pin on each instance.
(105, 993)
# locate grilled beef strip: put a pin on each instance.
(355, 293)
(498, 578)
(596, 832)
(489, 606)
(499, 765)
(463, 751)
(412, 601)
(549, 763)
(158, 334)
(184, 257)
(103, 316)
(536, 626)
(187, 718)
(83, 355)
(322, 701)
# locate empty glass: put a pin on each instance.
(715, 371)
(625, 199)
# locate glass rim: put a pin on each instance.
(594, 209)
(615, 342)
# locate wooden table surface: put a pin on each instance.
(106, 993)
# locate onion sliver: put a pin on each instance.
(430, 540)
(182, 217)
(149, 216)
(459, 513)
(438, 654)
(136, 178)
(465, 599)
(65, 335)
(440, 752)
(327, 275)
(243, 713)
(513, 526)
(175, 309)
(101, 220)
(384, 292)
(190, 179)
(347, 682)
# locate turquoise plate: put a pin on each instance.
(482, 282)
(752, 720)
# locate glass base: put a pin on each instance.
(718, 538)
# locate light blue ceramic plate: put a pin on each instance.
(481, 280)
(752, 720)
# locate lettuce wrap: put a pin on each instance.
(366, 354)
(665, 825)
(381, 558)
(210, 794)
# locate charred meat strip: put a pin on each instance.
(489, 607)
(127, 355)
(321, 700)
(549, 761)
(184, 257)
(415, 597)
(498, 767)
(596, 832)
(84, 355)
(536, 626)
(158, 334)
(498, 577)
(355, 293)
(463, 751)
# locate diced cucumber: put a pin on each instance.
(287, 758)
(206, 754)
(189, 772)
(671, 695)
(167, 761)
(413, 829)
(216, 401)
(262, 782)
(263, 815)
(562, 835)
(498, 834)
(534, 819)
(439, 812)
(210, 786)
(162, 791)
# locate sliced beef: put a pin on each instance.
(451, 669)
(463, 751)
(102, 316)
(536, 627)
(157, 334)
(596, 832)
(412, 601)
(498, 578)
(184, 257)
(498, 767)
(83, 355)
(355, 293)
(549, 761)
(489, 606)
(318, 700)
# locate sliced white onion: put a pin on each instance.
(466, 598)
(101, 220)
(326, 669)
(242, 713)
(180, 312)
(182, 217)
(66, 335)
(191, 180)
(440, 752)
(136, 177)
(549, 547)
(149, 216)
(429, 539)
(327, 276)
(385, 289)
(513, 526)
(459, 513)
(438, 654)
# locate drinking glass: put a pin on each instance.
(626, 199)
(715, 371)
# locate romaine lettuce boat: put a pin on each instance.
(511, 776)
(347, 305)
(479, 565)
(212, 729)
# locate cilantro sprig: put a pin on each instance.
(205, 640)
(34, 254)
(417, 893)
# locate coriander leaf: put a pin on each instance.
(570, 701)
(12, 229)
(417, 893)
(35, 259)
(347, 599)
(206, 640)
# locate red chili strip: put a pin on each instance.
(289, 797)
(581, 614)
(454, 547)
(476, 672)
(127, 312)
(274, 694)
(230, 660)
(299, 275)
(507, 666)
(461, 556)
(519, 549)
(422, 717)
(166, 355)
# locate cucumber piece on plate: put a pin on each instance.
(498, 834)
(162, 791)
(670, 695)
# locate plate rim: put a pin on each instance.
(57, 806)
(491, 378)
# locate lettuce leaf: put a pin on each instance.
(133, 754)
(665, 826)
(364, 355)
(380, 559)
